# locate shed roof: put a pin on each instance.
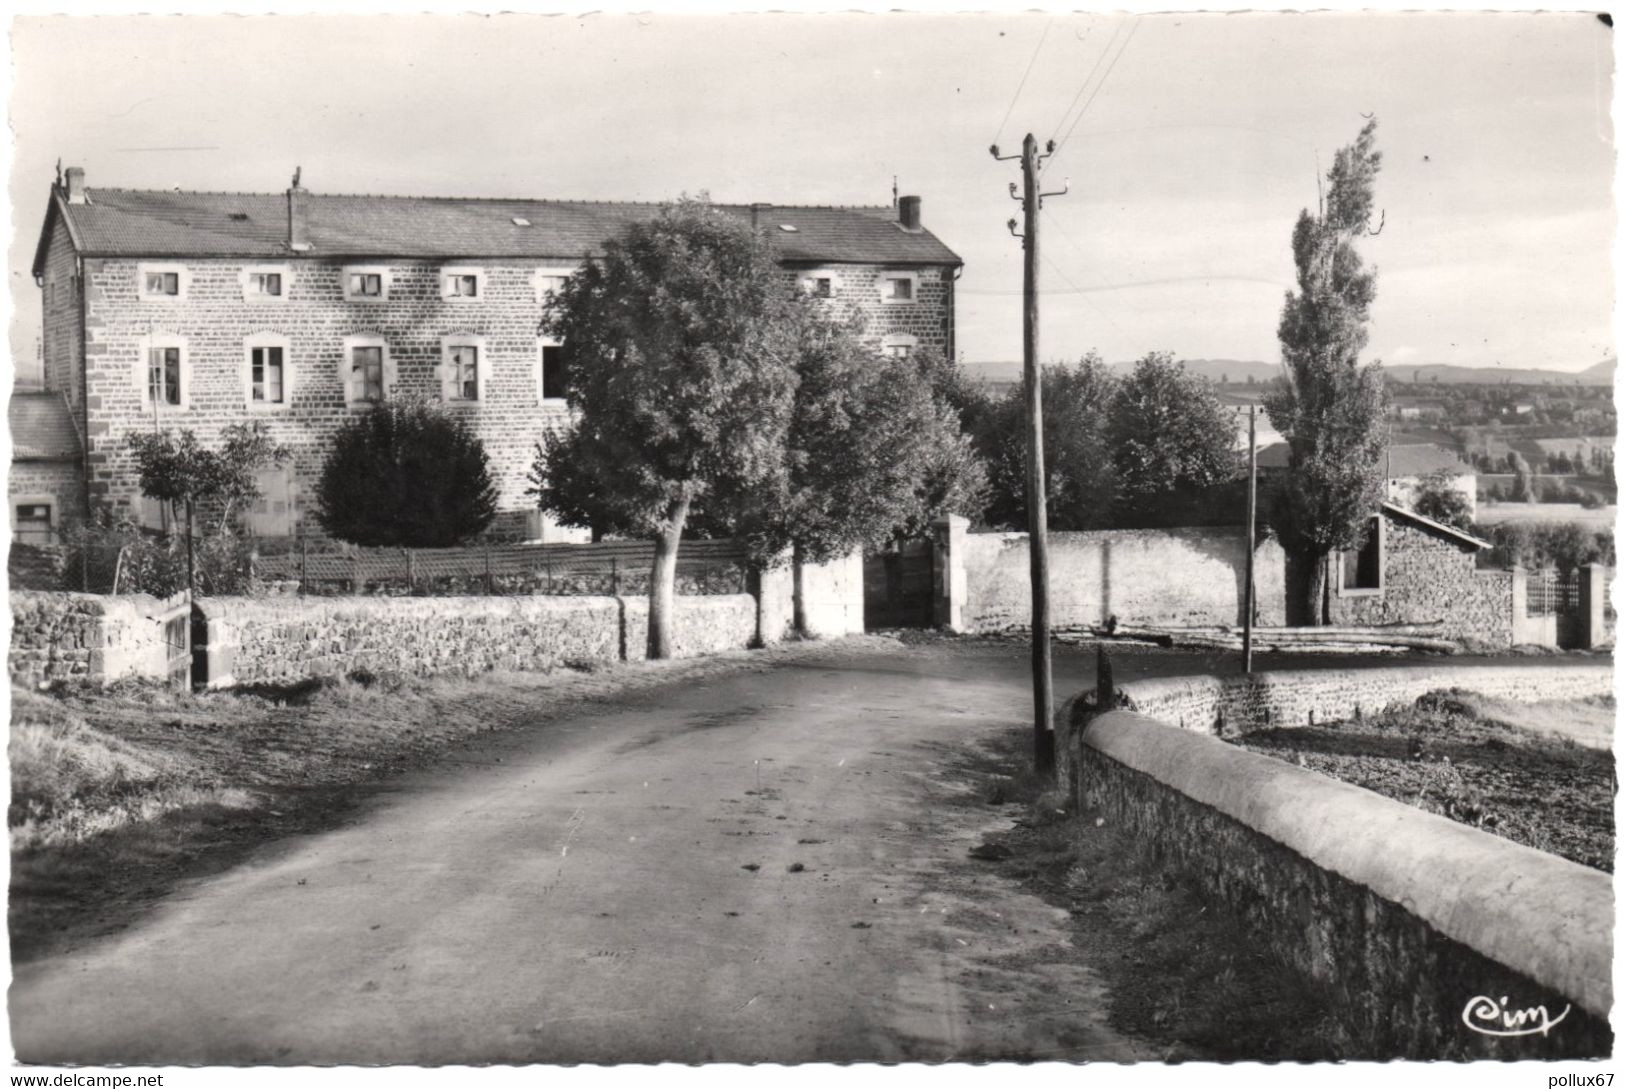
(176, 224)
(42, 428)
(1438, 528)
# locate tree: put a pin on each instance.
(406, 474)
(683, 383)
(1330, 409)
(1524, 488)
(1168, 432)
(1078, 472)
(874, 451)
(183, 473)
(1438, 498)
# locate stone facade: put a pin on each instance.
(100, 323)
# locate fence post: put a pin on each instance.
(490, 587)
(1593, 579)
(355, 572)
(615, 576)
(302, 562)
(411, 572)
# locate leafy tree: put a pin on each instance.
(1330, 409)
(1078, 471)
(180, 471)
(683, 384)
(874, 451)
(406, 474)
(1438, 498)
(1168, 431)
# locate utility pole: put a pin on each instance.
(1252, 538)
(1037, 500)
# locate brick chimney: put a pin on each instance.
(298, 206)
(76, 185)
(756, 211)
(908, 213)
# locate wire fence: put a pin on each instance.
(604, 568)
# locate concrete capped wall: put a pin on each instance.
(1156, 576)
(1409, 918)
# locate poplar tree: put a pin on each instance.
(1330, 408)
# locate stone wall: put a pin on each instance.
(1427, 577)
(1238, 703)
(1155, 576)
(281, 640)
(86, 637)
(1414, 924)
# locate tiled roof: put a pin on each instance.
(1403, 460)
(156, 223)
(41, 428)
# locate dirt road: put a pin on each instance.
(769, 865)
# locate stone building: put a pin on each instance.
(199, 310)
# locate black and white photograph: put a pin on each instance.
(546, 540)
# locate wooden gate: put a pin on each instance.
(898, 587)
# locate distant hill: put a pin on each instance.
(1239, 370)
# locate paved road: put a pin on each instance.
(619, 887)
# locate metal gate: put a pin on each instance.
(898, 586)
(1555, 593)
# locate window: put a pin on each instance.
(266, 283)
(464, 368)
(33, 520)
(1362, 567)
(272, 514)
(162, 281)
(367, 371)
(549, 280)
(901, 345)
(554, 371)
(267, 377)
(461, 283)
(821, 283)
(366, 283)
(163, 373)
(899, 287)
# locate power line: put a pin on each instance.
(1103, 81)
(1085, 84)
(1031, 61)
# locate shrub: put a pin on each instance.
(406, 474)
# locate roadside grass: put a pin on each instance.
(118, 793)
(1180, 969)
(1505, 767)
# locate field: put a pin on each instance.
(1539, 774)
(1493, 514)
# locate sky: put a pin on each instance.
(1189, 144)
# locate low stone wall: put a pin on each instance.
(86, 637)
(1239, 703)
(703, 625)
(280, 640)
(1415, 924)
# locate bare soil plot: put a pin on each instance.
(1539, 774)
